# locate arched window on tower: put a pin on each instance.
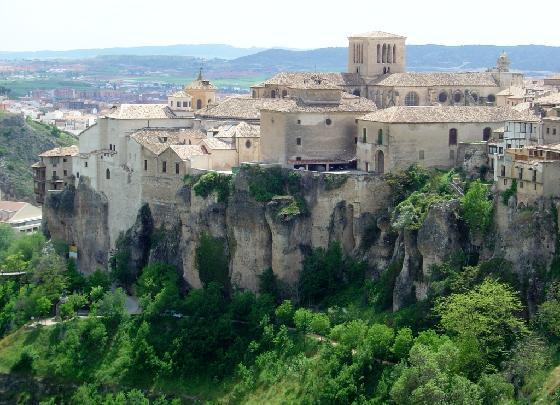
(378, 53)
(107, 174)
(384, 54)
(389, 54)
(394, 53)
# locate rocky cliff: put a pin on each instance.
(278, 233)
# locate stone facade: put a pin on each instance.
(53, 171)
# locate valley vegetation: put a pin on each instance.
(335, 340)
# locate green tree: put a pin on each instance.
(320, 324)
(211, 261)
(302, 319)
(403, 343)
(476, 207)
(488, 313)
(285, 312)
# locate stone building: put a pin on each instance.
(535, 170)
(203, 92)
(315, 128)
(396, 137)
(53, 171)
(377, 70)
(551, 126)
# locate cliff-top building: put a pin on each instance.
(377, 71)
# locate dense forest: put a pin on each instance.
(335, 340)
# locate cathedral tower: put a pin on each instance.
(376, 53)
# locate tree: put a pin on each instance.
(285, 312)
(488, 313)
(42, 306)
(476, 207)
(302, 319)
(403, 342)
(320, 324)
(211, 261)
(7, 236)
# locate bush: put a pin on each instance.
(407, 181)
(213, 182)
(512, 190)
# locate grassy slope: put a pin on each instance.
(20, 143)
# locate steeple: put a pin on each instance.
(199, 74)
(503, 63)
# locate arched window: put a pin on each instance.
(389, 54)
(453, 136)
(442, 97)
(491, 98)
(380, 162)
(380, 137)
(364, 135)
(486, 133)
(457, 97)
(198, 104)
(273, 94)
(107, 174)
(384, 54)
(411, 99)
(378, 53)
(384, 70)
(284, 93)
(394, 53)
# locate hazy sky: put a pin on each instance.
(69, 24)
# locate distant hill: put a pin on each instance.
(532, 59)
(209, 51)
(20, 143)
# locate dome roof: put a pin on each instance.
(200, 84)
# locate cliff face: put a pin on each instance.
(354, 210)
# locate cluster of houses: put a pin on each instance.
(374, 118)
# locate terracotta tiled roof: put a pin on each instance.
(437, 114)
(200, 84)
(241, 130)
(433, 79)
(348, 103)
(237, 107)
(214, 143)
(181, 94)
(140, 112)
(551, 99)
(62, 151)
(298, 79)
(185, 152)
(156, 140)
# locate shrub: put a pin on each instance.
(213, 182)
(512, 190)
(411, 213)
(407, 181)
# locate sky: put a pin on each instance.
(29, 25)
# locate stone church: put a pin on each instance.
(377, 70)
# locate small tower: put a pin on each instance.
(202, 92)
(503, 63)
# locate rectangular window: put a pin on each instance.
(520, 173)
(298, 141)
(164, 166)
(65, 173)
(85, 164)
(145, 165)
(520, 184)
(503, 171)
(299, 121)
(364, 135)
(54, 174)
(64, 160)
(176, 168)
(554, 131)
(505, 182)
(548, 130)
(298, 157)
(534, 175)
(356, 140)
(421, 154)
(185, 104)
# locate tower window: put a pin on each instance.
(107, 174)
(298, 141)
(364, 135)
(442, 97)
(176, 168)
(164, 166)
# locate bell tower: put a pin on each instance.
(376, 53)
